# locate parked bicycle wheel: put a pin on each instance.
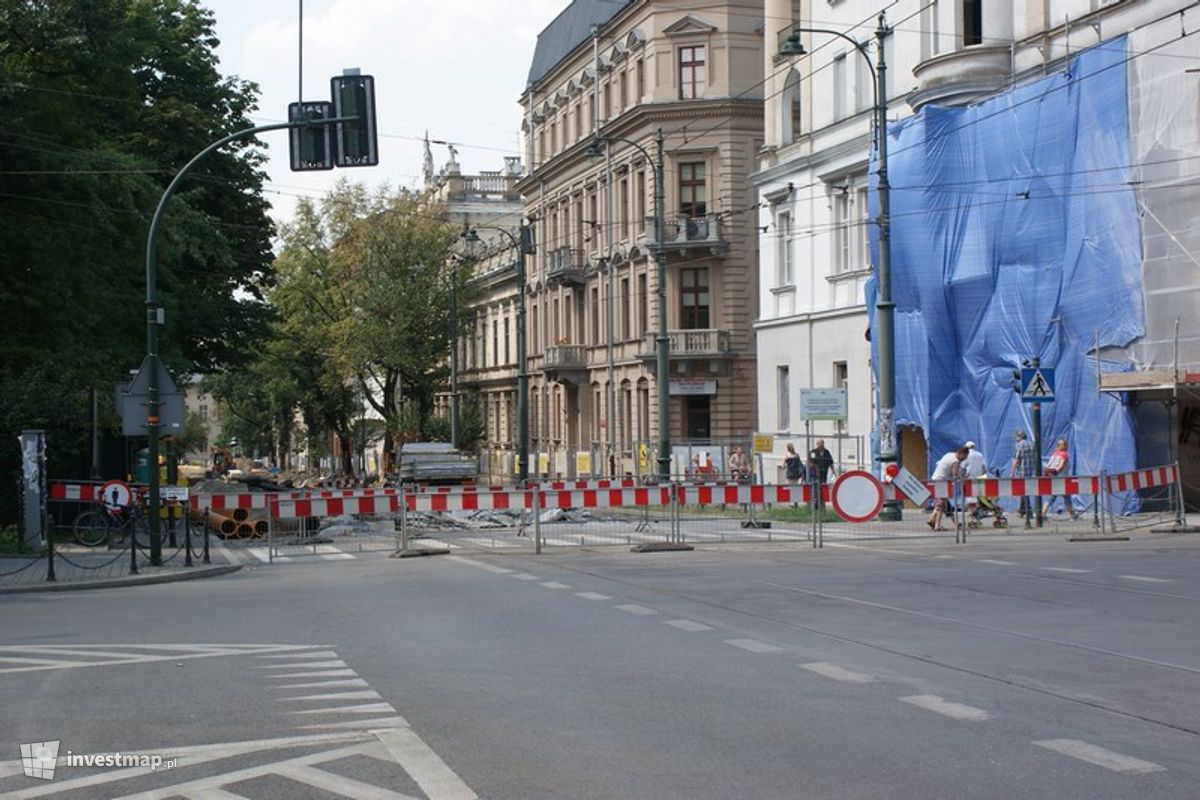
(91, 529)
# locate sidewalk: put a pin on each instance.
(84, 568)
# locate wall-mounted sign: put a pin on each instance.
(823, 404)
(681, 386)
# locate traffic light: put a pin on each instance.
(356, 143)
(311, 146)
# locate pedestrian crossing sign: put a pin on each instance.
(1037, 385)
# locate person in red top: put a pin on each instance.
(1057, 465)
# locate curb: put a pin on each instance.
(131, 580)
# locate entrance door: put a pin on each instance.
(696, 417)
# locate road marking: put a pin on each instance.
(555, 585)
(482, 542)
(306, 665)
(1145, 579)
(1066, 569)
(225, 553)
(634, 608)
(1099, 756)
(945, 556)
(213, 793)
(470, 562)
(359, 724)
(837, 673)
(872, 549)
(338, 784)
(331, 673)
(592, 596)
(996, 561)
(336, 556)
(937, 705)
(367, 694)
(317, 684)
(753, 645)
(309, 654)
(687, 625)
(131, 654)
(428, 770)
(365, 708)
(523, 576)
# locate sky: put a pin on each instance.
(453, 67)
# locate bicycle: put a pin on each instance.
(96, 526)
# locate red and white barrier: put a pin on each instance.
(335, 506)
(1018, 487)
(1144, 479)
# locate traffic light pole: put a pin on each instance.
(1035, 363)
(154, 318)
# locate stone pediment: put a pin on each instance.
(688, 24)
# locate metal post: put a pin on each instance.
(95, 437)
(270, 538)
(1035, 362)
(885, 309)
(187, 540)
(50, 577)
(207, 560)
(454, 359)
(1102, 500)
(663, 356)
(522, 361)
(153, 319)
(133, 567)
(537, 520)
(403, 519)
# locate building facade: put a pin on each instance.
(488, 209)
(812, 180)
(624, 70)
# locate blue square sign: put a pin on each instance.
(1037, 385)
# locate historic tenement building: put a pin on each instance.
(623, 70)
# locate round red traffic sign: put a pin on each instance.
(857, 496)
(116, 494)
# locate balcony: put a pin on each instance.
(685, 233)
(566, 363)
(958, 78)
(699, 343)
(566, 266)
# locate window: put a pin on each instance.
(863, 94)
(862, 242)
(783, 231)
(841, 380)
(203, 411)
(553, 139)
(643, 305)
(495, 343)
(592, 111)
(507, 347)
(607, 115)
(597, 412)
(929, 30)
(640, 73)
(693, 193)
(626, 326)
(639, 201)
(790, 108)
(839, 86)
(626, 411)
(578, 122)
(595, 339)
(694, 298)
(841, 229)
(783, 396)
(972, 22)
(697, 413)
(556, 326)
(624, 96)
(643, 391)
(534, 345)
(623, 219)
(692, 73)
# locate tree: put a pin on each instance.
(103, 101)
(367, 282)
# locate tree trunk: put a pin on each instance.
(346, 453)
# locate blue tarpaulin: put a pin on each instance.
(1015, 234)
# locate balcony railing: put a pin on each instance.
(683, 232)
(961, 76)
(566, 356)
(691, 343)
(566, 266)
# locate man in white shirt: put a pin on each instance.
(949, 467)
(975, 465)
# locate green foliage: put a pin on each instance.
(103, 101)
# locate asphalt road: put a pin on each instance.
(912, 669)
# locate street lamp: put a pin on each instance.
(525, 245)
(885, 309)
(660, 258)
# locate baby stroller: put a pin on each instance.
(984, 507)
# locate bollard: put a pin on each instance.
(50, 577)
(403, 520)
(270, 538)
(206, 558)
(133, 567)
(187, 540)
(1096, 498)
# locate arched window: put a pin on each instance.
(790, 108)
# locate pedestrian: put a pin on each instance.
(974, 467)
(949, 468)
(820, 468)
(1060, 458)
(793, 467)
(735, 464)
(1024, 465)
(694, 467)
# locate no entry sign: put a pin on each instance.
(857, 496)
